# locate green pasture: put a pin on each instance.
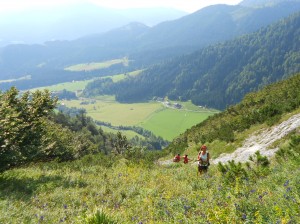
(169, 123)
(117, 78)
(129, 134)
(70, 86)
(116, 113)
(80, 85)
(153, 116)
(96, 65)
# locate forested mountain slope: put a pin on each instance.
(214, 24)
(220, 75)
(261, 3)
(142, 45)
(266, 106)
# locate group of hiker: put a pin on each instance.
(203, 159)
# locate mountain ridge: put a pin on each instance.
(220, 75)
(143, 47)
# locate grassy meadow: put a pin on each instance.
(96, 65)
(153, 116)
(70, 86)
(80, 85)
(116, 190)
(169, 123)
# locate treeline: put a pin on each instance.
(32, 132)
(265, 106)
(64, 94)
(219, 75)
(150, 141)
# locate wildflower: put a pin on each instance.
(288, 189)
(260, 197)
(186, 207)
(286, 196)
(168, 213)
(63, 219)
(65, 206)
(286, 183)
(244, 216)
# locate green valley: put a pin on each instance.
(153, 116)
(90, 126)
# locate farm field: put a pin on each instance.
(96, 65)
(153, 116)
(114, 112)
(169, 123)
(129, 134)
(70, 86)
(80, 85)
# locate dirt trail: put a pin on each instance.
(261, 141)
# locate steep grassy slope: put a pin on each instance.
(125, 192)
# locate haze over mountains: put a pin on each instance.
(71, 22)
(144, 46)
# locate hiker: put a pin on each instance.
(203, 158)
(176, 158)
(185, 159)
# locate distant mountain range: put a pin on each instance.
(75, 21)
(142, 44)
(220, 75)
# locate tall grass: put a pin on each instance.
(119, 191)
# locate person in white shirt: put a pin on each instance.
(203, 160)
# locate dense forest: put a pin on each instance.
(265, 106)
(219, 75)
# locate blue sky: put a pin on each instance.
(7, 6)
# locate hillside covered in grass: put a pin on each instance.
(131, 187)
(265, 107)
